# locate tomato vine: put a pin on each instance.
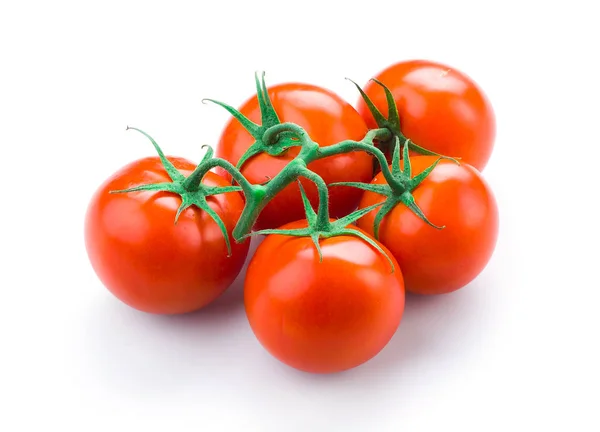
(275, 138)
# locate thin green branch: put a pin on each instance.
(252, 128)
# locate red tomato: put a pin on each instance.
(327, 119)
(148, 261)
(435, 261)
(327, 316)
(440, 108)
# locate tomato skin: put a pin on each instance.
(440, 108)
(328, 120)
(322, 317)
(144, 258)
(439, 261)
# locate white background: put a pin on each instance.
(515, 350)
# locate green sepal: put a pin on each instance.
(387, 206)
(418, 179)
(269, 118)
(252, 128)
(381, 189)
(296, 232)
(381, 121)
(158, 187)
(216, 190)
(396, 157)
(392, 122)
(191, 189)
(393, 118)
(173, 173)
(315, 237)
(409, 201)
(352, 217)
(369, 240)
(311, 215)
(267, 111)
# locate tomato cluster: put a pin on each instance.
(357, 207)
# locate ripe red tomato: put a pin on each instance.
(148, 261)
(440, 108)
(435, 261)
(327, 119)
(327, 316)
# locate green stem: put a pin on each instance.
(286, 176)
(247, 187)
(323, 212)
(254, 194)
(192, 183)
(255, 203)
(366, 146)
(258, 196)
(271, 134)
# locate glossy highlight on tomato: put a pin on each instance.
(437, 261)
(146, 259)
(327, 119)
(441, 109)
(322, 317)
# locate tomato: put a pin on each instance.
(146, 259)
(440, 108)
(327, 119)
(322, 317)
(436, 261)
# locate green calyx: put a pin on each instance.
(272, 144)
(191, 189)
(398, 189)
(391, 122)
(320, 226)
